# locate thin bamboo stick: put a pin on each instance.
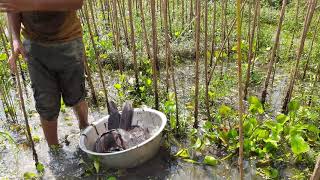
(155, 54)
(197, 39)
(240, 90)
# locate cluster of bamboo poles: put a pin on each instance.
(119, 17)
(167, 16)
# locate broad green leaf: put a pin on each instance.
(210, 160)
(299, 145)
(232, 134)
(282, 119)
(148, 82)
(177, 33)
(3, 56)
(198, 144)
(261, 134)
(183, 153)
(96, 165)
(313, 128)
(103, 56)
(117, 86)
(173, 123)
(40, 168)
(29, 175)
(293, 106)
(255, 105)
(36, 139)
(224, 110)
(208, 125)
(111, 178)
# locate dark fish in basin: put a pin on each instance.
(121, 134)
(114, 119)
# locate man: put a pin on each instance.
(54, 52)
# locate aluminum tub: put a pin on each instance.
(154, 120)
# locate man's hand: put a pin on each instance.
(17, 50)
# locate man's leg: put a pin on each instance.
(50, 131)
(81, 111)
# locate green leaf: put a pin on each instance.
(299, 145)
(313, 128)
(183, 153)
(148, 82)
(210, 160)
(232, 134)
(255, 105)
(208, 125)
(29, 175)
(117, 86)
(198, 144)
(282, 119)
(224, 110)
(261, 134)
(173, 123)
(96, 165)
(191, 161)
(111, 178)
(36, 139)
(40, 168)
(293, 106)
(3, 56)
(177, 33)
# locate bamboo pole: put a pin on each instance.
(250, 53)
(133, 45)
(23, 108)
(123, 20)
(305, 69)
(96, 55)
(182, 14)
(89, 79)
(3, 40)
(165, 15)
(316, 172)
(211, 71)
(169, 59)
(213, 43)
(273, 53)
(144, 29)
(240, 90)
(155, 54)
(294, 32)
(223, 33)
(257, 44)
(117, 35)
(93, 18)
(306, 26)
(206, 60)
(197, 39)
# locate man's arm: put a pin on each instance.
(14, 21)
(40, 5)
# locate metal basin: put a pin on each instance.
(154, 120)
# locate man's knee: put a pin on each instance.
(48, 107)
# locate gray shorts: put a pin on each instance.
(56, 70)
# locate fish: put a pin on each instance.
(121, 134)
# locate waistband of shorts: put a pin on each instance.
(53, 44)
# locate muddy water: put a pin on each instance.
(67, 162)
